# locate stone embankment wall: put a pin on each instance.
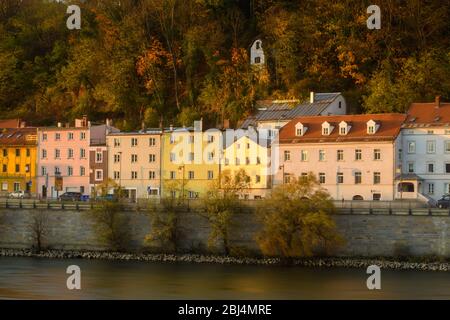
(366, 235)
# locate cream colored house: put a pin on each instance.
(134, 162)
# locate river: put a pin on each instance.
(32, 278)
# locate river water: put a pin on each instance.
(31, 278)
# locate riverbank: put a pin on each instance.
(331, 262)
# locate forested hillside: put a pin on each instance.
(177, 60)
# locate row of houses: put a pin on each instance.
(355, 157)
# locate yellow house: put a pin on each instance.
(18, 150)
(190, 161)
(248, 151)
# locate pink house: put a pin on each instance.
(63, 157)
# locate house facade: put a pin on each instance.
(257, 57)
(190, 161)
(425, 152)
(18, 151)
(248, 150)
(353, 156)
(134, 162)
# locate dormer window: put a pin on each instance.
(344, 128)
(300, 129)
(326, 128)
(372, 127)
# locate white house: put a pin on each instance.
(425, 152)
(257, 57)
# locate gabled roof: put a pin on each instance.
(285, 111)
(428, 114)
(18, 137)
(389, 129)
(11, 123)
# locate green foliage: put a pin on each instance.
(296, 220)
(221, 204)
(152, 60)
(111, 224)
(165, 230)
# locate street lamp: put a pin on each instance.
(182, 183)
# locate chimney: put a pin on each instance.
(108, 122)
(85, 122)
(171, 127)
(226, 124)
(311, 97)
(59, 124)
(438, 102)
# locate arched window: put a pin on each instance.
(406, 187)
(258, 45)
(358, 198)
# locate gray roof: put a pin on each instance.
(283, 111)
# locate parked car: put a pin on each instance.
(18, 194)
(70, 196)
(444, 202)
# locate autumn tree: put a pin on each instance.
(39, 228)
(221, 204)
(296, 220)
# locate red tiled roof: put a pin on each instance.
(18, 137)
(428, 113)
(10, 123)
(389, 128)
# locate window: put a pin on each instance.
(152, 175)
(70, 153)
(57, 171)
(287, 178)
(430, 167)
(5, 152)
(44, 154)
(17, 152)
(82, 171)
(371, 129)
(191, 175)
(152, 157)
(322, 177)
(321, 155)
(99, 157)
(44, 137)
(247, 160)
(28, 153)
(98, 175)
(447, 168)
(4, 186)
(400, 152)
(358, 178)
(304, 155)
(16, 186)
(192, 194)
(82, 135)
(376, 197)
(172, 157)
(431, 188)
(191, 156)
(257, 179)
(257, 60)
(172, 139)
(411, 147)
(82, 153)
(431, 146)
(340, 178)
(69, 171)
(287, 155)
(210, 156)
(173, 175)
(134, 142)
(134, 175)
(70, 136)
(376, 178)
(210, 175)
(17, 167)
(210, 139)
(410, 167)
(430, 132)
(134, 158)
(116, 175)
(446, 188)
(299, 131)
(57, 136)
(447, 147)
(325, 131)
(27, 168)
(343, 130)
(191, 139)
(116, 142)
(57, 153)
(340, 155)
(152, 142)
(258, 45)
(5, 168)
(358, 154)
(377, 154)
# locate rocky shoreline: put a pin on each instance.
(334, 262)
